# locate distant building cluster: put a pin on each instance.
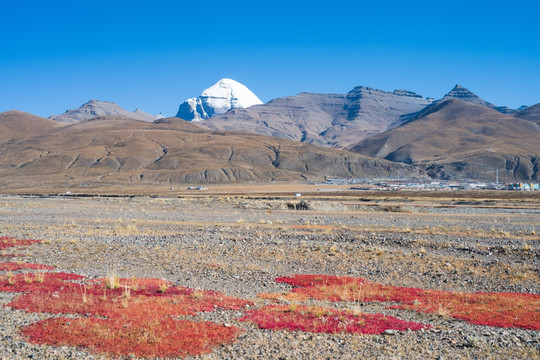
(408, 184)
(524, 186)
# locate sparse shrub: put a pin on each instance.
(163, 287)
(39, 277)
(197, 294)
(127, 292)
(293, 306)
(113, 282)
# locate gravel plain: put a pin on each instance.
(239, 245)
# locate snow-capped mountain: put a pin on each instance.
(95, 108)
(224, 95)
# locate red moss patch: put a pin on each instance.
(8, 242)
(38, 283)
(345, 288)
(123, 337)
(138, 315)
(138, 321)
(492, 309)
(123, 316)
(124, 302)
(20, 266)
(324, 320)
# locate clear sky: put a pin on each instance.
(152, 55)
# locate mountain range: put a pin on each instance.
(457, 139)
(335, 120)
(115, 150)
(232, 136)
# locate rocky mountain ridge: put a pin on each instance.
(337, 120)
(96, 108)
(334, 120)
(454, 139)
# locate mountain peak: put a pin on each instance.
(461, 93)
(226, 82)
(458, 87)
(219, 98)
(95, 108)
(13, 112)
(530, 113)
(95, 101)
(403, 92)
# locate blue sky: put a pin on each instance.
(152, 55)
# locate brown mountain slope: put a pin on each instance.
(531, 113)
(335, 120)
(20, 125)
(122, 151)
(456, 139)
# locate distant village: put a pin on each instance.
(406, 184)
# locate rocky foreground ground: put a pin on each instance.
(238, 246)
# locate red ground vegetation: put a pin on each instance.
(38, 282)
(122, 317)
(20, 266)
(8, 242)
(125, 302)
(325, 320)
(162, 337)
(136, 319)
(492, 309)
